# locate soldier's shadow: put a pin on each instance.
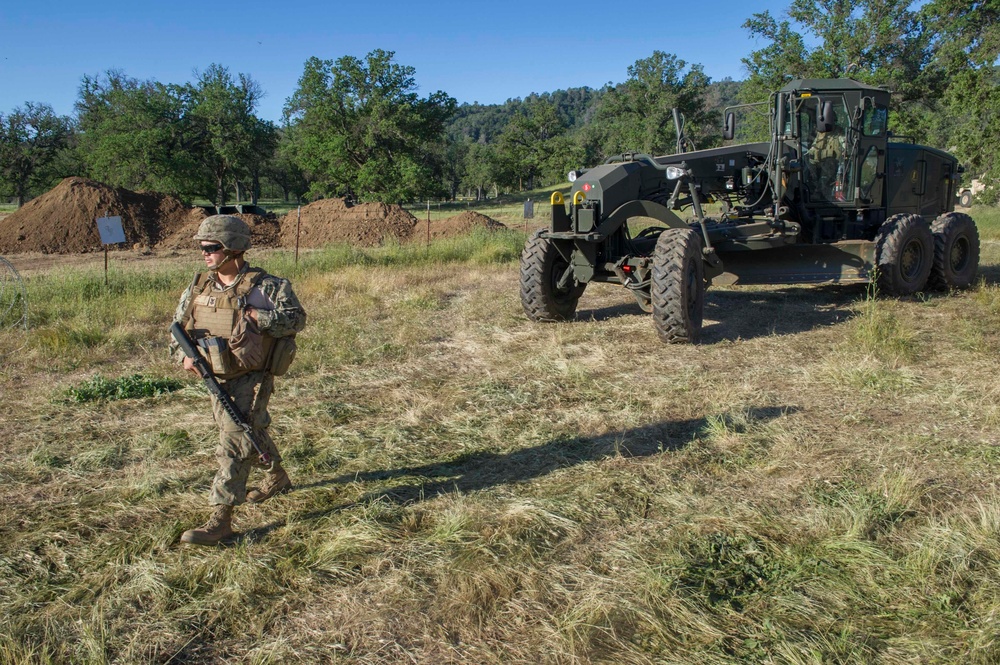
(482, 470)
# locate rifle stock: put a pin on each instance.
(187, 345)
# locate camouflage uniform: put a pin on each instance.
(825, 156)
(279, 314)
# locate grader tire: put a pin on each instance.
(678, 286)
(956, 251)
(904, 254)
(541, 268)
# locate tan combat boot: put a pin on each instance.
(275, 481)
(218, 527)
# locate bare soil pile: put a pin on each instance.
(62, 221)
(457, 225)
(264, 231)
(331, 221)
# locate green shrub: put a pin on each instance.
(126, 387)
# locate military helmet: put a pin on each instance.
(230, 230)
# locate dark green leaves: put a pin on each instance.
(126, 387)
(361, 130)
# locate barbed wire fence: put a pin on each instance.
(13, 307)
(13, 297)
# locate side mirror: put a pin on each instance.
(826, 118)
(730, 129)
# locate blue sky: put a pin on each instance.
(485, 52)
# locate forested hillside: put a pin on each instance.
(358, 128)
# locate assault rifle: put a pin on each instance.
(201, 365)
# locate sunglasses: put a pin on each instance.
(210, 249)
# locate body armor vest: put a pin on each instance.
(212, 318)
(827, 146)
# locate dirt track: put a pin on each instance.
(29, 262)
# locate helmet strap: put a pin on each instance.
(231, 256)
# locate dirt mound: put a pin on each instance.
(331, 221)
(264, 231)
(457, 225)
(62, 221)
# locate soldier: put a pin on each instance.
(825, 157)
(244, 322)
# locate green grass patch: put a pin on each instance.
(877, 330)
(987, 220)
(135, 386)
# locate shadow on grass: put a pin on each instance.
(746, 314)
(990, 273)
(483, 470)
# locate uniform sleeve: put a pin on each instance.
(175, 350)
(287, 317)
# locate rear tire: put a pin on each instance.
(956, 251)
(541, 268)
(678, 286)
(904, 254)
(965, 199)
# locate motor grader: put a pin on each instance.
(833, 196)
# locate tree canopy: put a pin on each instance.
(361, 130)
(136, 134)
(232, 139)
(637, 115)
(31, 138)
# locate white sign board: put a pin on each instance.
(111, 230)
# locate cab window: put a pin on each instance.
(875, 121)
(869, 172)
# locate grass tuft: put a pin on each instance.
(135, 386)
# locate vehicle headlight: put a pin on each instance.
(675, 172)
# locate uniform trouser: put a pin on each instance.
(236, 454)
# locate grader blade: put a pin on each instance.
(845, 262)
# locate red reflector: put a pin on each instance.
(626, 268)
(586, 187)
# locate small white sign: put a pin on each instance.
(111, 230)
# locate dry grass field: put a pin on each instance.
(813, 483)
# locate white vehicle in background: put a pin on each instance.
(966, 194)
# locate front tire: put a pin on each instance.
(678, 286)
(542, 266)
(956, 251)
(904, 254)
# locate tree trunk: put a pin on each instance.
(220, 191)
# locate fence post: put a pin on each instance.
(298, 224)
